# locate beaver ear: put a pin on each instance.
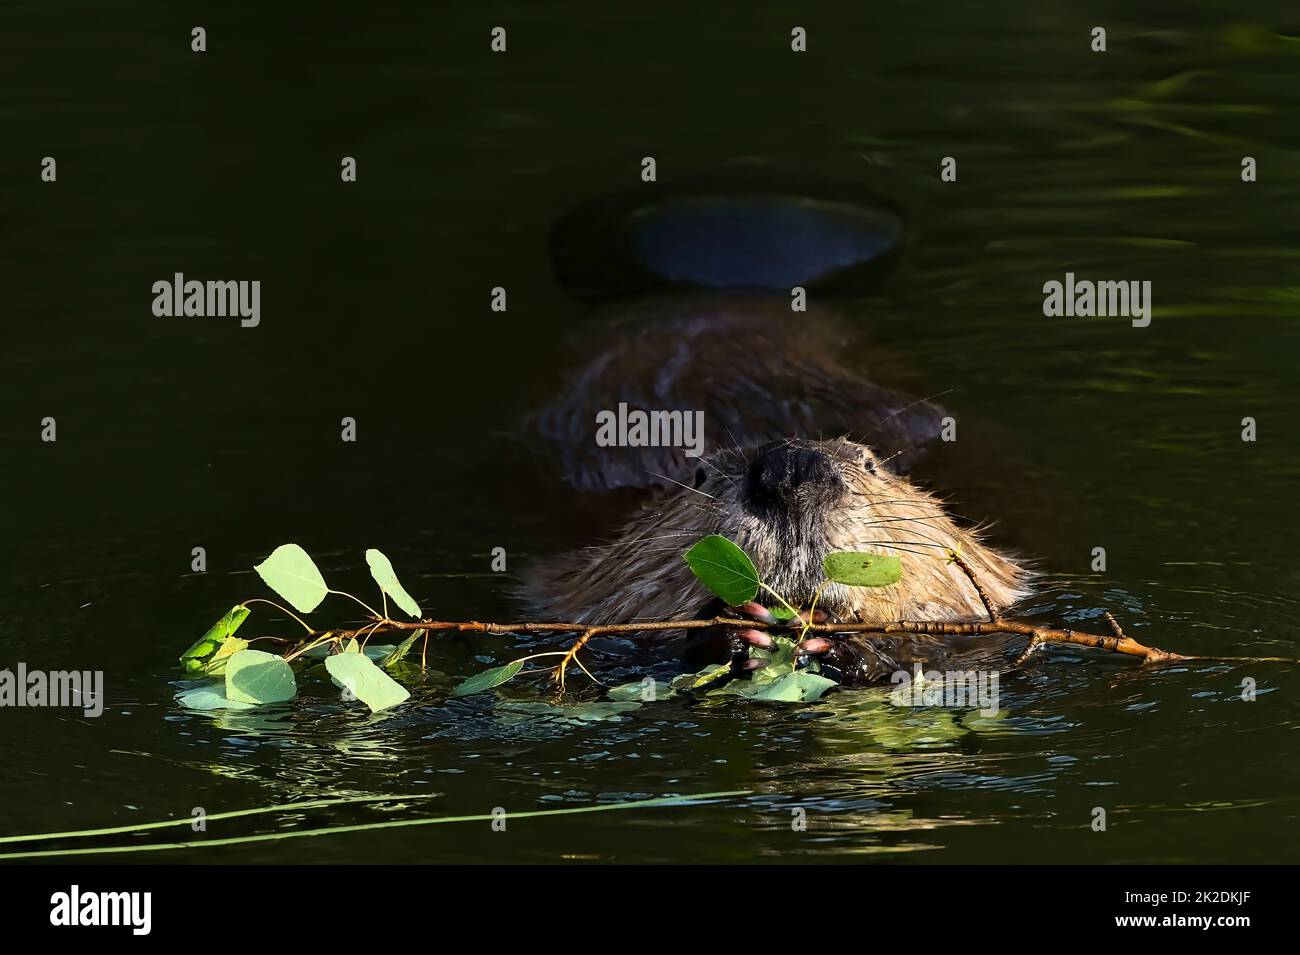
(701, 476)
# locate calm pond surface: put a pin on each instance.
(1075, 433)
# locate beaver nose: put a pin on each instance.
(778, 471)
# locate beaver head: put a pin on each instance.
(787, 504)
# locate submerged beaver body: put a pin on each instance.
(754, 370)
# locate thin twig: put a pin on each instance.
(960, 561)
(286, 610)
(571, 655)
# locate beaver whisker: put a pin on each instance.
(678, 483)
(894, 520)
(725, 476)
(934, 541)
(919, 401)
(642, 540)
(943, 512)
(716, 505)
(929, 522)
(904, 550)
(675, 500)
(909, 501)
(735, 448)
(914, 543)
(707, 508)
(918, 504)
(910, 543)
(884, 501)
(656, 551)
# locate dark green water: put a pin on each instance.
(1076, 433)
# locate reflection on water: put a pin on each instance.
(1075, 434)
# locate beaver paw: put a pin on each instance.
(847, 661)
(845, 658)
(718, 645)
(756, 611)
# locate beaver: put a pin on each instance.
(711, 331)
(788, 504)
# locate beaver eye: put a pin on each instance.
(700, 476)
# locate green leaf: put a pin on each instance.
(369, 684)
(862, 570)
(209, 697)
(292, 575)
(255, 676)
(208, 644)
(488, 679)
(781, 655)
(769, 674)
(781, 612)
(724, 568)
(381, 568)
(691, 681)
(374, 651)
(395, 655)
(799, 686)
(795, 686)
(642, 691)
(216, 666)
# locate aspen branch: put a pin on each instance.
(1114, 642)
(1038, 634)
